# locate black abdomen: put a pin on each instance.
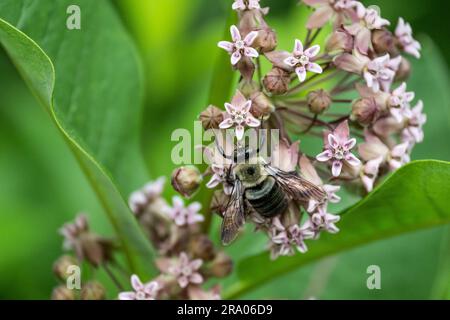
(267, 198)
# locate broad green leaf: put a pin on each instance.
(413, 198)
(94, 102)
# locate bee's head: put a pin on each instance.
(250, 174)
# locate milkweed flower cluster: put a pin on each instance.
(348, 94)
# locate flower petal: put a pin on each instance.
(301, 73)
(249, 38)
(136, 283)
(251, 52)
(314, 67)
(313, 51)
(324, 156)
(228, 46)
(225, 124)
(298, 48)
(235, 34)
(127, 295)
(336, 168)
(235, 57)
(239, 132)
(349, 144)
(352, 160)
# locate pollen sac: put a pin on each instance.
(261, 105)
(384, 42)
(365, 111)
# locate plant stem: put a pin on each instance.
(113, 277)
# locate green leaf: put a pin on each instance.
(95, 101)
(413, 198)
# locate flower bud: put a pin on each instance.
(221, 266)
(266, 40)
(261, 105)
(61, 266)
(93, 290)
(318, 101)
(201, 247)
(186, 180)
(277, 81)
(63, 293)
(365, 111)
(404, 70)
(339, 41)
(211, 117)
(384, 42)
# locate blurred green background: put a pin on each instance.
(42, 185)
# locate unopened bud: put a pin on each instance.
(211, 117)
(221, 266)
(339, 41)
(202, 247)
(277, 81)
(318, 101)
(384, 42)
(186, 180)
(61, 266)
(365, 111)
(63, 293)
(266, 40)
(404, 70)
(93, 290)
(261, 105)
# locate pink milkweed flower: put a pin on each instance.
(147, 291)
(321, 220)
(338, 10)
(414, 119)
(186, 271)
(241, 5)
(151, 191)
(369, 172)
(284, 240)
(380, 72)
(370, 20)
(374, 148)
(301, 60)
(403, 33)
(183, 216)
(309, 173)
(285, 156)
(238, 115)
(337, 149)
(399, 102)
(239, 47)
(219, 166)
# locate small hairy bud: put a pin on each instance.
(186, 180)
(221, 266)
(266, 40)
(61, 266)
(202, 247)
(340, 41)
(277, 81)
(365, 111)
(63, 293)
(261, 105)
(211, 117)
(93, 290)
(384, 42)
(404, 70)
(318, 101)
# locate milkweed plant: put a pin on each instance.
(350, 93)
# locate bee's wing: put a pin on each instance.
(295, 186)
(234, 215)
